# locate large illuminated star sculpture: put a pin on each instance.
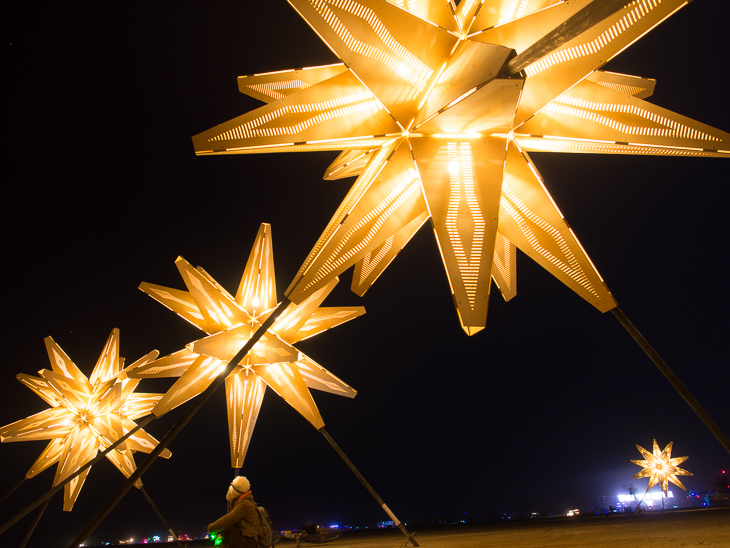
(434, 118)
(86, 415)
(230, 322)
(660, 468)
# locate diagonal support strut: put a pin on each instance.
(370, 489)
(672, 378)
(175, 430)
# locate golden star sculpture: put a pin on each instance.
(436, 124)
(231, 321)
(660, 467)
(86, 415)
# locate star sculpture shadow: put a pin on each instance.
(230, 322)
(86, 415)
(435, 126)
(660, 468)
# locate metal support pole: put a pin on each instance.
(60, 486)
(35, 524)
(162, 518)
(13, 488)
(672, 378)
(584, 19)
(175, 430)
(368, 487)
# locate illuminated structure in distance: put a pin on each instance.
(86, 415)
(230, 322)
(436, 123)
(660, 467)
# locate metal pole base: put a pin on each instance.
(369, 488)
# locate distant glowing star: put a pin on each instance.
(86, 415)
(230, 322)
(428, 112)
(660, 467)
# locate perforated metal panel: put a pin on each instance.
(592, 117)
(230, 322)
(419, 76)
(86, 415)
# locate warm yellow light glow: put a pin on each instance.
(660, 468)
(436, 75)
(456, 135)
(230, 321)
(92, 413)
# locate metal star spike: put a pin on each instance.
(436, 107)
(86, 415)
(660, 468)
(230, 322)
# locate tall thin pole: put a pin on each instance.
(175, 430)
(672, 378)
(13, 488)
(159, 515)
(362, 479)
(35, 524)
(579, 22)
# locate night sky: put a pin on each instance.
(540, 412)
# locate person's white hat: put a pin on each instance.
(239, 486)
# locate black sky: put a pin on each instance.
(540, 412)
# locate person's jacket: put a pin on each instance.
(243, 515)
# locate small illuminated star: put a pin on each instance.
(87, 415)
(230, 322)
(436, 122)
(660, 468)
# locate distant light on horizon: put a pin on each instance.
(647, 497)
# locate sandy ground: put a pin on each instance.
(678, 529)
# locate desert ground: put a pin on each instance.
(676, 529)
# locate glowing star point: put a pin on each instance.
(469, 91)
(87, 415)
(230, 321)
(660, 467)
